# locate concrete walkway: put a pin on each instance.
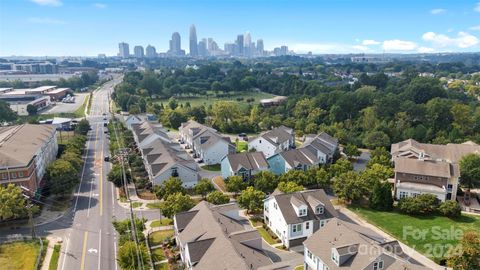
(408, 250)
(52, 241)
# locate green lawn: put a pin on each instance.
(213, 168)
(206, 101)
(431, 235)
(155, 205)
(55, 256)
(162, 222)
(80, 112)
(158, 255)
(136, 204)
(156, 238)
(266, 236)
(242, 146)
(19, 255)
(300, 267)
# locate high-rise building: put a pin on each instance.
(230, 48)
(150, 51)
(123, 50)
(239, 45)
(260, 49)
(175, 45)
(202, 48)
(138, 52)
(193, 41)
(247, 44)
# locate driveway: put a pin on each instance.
(208, 174)
(361, 163)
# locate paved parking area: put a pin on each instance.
(60, 107)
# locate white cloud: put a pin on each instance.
(463, 40)
(475, 28)
(99, 5)
(438, 11)
(399, 45)
(425, 50)
(477, 7)
(53, 3)
(360, 48)
(45, 20)
(320, 48)
(368, 42)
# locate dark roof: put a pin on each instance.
(284, 202)
(247, 160)
(182, 219)
(197, 249)
(278, 135)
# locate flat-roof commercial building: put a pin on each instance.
(40, 97)
(25, 152)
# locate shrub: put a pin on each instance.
(422, 204)
(450, 209)
(217, 197)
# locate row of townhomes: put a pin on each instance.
(220, 237)
(428, 168)
(280, 157)
(162, 157)
(25, 152)
(206, 144)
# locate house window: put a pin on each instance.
(403, 194)
(259, 141)
(378, 265)
(307, 225)
(309, 254)
(174, 172)
(13, 175)
(319, 210)
(4, 175)
(296, 228)
(275, 205)
(302, 212)
(322, 223)
(449, 187)
(334, 257)
(20, 174)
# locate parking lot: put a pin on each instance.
(60, 107)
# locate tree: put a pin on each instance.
(342, 166)
(289, 187)
(235, 184)
(73, 158)
(176, 203)
(31, 109)
(351, 151)
(82, 127)
(381, 197)
(172, 103)
(349, 186)
(265, 181)
(376, 174)
(170, 186)
(470, 171)
(470, 252)
(203, 187)
(12, 202)
(450, 209)
(6, 113)
(379, 156)
(376, 139)
(116, 175)
(251, 199)
(62, 177)
(124, 228)
(127, 255)
(297, 176)
(217, 197)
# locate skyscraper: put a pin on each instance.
(150, 51)
(138, 51)
(175, 44)
(230, 48)
(240, 45)
(193, 41)
(123, 50)
(260, 49)
(247, 43)
(202, 48)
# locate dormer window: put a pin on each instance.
(378, 265)
(302, 212)
(319, 210)
(334, 257)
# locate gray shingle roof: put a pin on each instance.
(284, 202)
(247, 160)
(278, 135)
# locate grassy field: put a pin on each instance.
(213, 168)
(433, 236)
(136, 204)
(266, 236)
(156, 238)
(55, 256)
(162, 266)
(80, 112)
(206, 101)
(158, 255)
(19, 255)
(161, 222)
(155, 205)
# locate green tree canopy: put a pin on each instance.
(289, 187)
(235, 184)
(217, 197)
(265, 181)
(176, 203)
(203, 187)
(170, 186)
(251, 199)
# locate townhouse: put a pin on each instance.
(428, 168)
(162, 157)
(294, 217)
(218, 237)
(344, 245)
(25, 152)
(274, 141)
(244, 164)
(316, 150)
(206, 143)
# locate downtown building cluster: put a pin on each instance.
(242, 46)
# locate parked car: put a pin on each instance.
(107, 159)
(241, 135)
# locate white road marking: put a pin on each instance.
(92, 250)
(115, 252)
(65, 254)
(99, 248)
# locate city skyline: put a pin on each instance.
(317, 26)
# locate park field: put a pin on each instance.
(19, 255)
(209, 100)
(433, 236)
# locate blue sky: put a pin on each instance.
(89, 27)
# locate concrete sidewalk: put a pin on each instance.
(408, 250)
